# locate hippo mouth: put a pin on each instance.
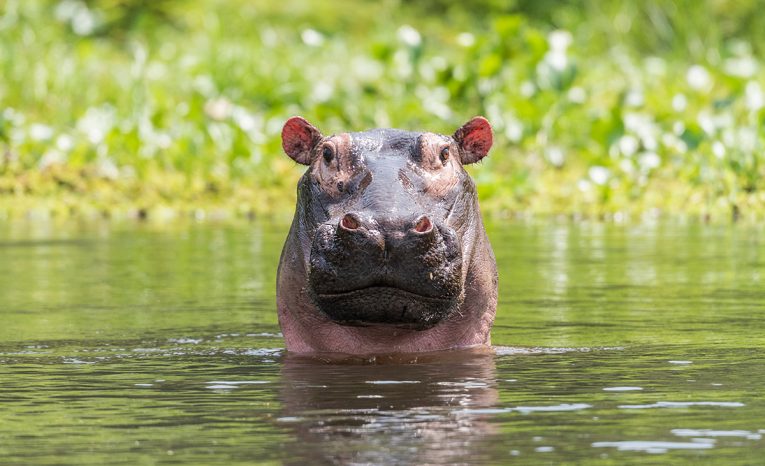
(385, 305)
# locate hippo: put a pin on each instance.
(387, 252)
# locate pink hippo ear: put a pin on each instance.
(474, 139)
(298, 139)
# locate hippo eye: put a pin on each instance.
(328, 154)
(444, 154)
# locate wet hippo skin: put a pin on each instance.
(387, 251)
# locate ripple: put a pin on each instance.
(290, 419)
(685, 404)
(464, 384)
(265, 352)
(221, 387)
(483, 411)
(717, 433)
(512, 350)
(391, 382)
(653, 446)
(186, 341)
(560, 407)
(622, 389)
(76, 361)
(232, 384)
(527, 409)
(239, 382)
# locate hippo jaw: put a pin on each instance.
(386, 275)
(387, 306)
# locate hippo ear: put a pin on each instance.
(474, 139)
(298, 139)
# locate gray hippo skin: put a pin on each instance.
(387, 252)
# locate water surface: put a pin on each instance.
(140, 344)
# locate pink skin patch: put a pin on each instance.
(475, 139)
(298, 138)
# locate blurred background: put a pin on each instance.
(171, 108)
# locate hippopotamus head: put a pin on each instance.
(387, 250)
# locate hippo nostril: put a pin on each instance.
(350, 222)
(423, 225)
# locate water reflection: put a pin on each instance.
(390, 410)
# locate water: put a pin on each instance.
(126, 344)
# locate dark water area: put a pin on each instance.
(614, 344)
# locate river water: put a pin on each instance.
(614, 344)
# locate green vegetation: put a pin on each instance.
(169, 108)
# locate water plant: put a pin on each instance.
(606, 109)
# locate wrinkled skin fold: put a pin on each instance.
(387, 250)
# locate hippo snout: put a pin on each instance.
(418, 231)
(404, 271)
(351, 223)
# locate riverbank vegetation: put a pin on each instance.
(168, 109)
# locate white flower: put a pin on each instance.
(599, 175)
(755, 99)
(365, 69)
(51, 157)
(107, 168)
(626, 166)
(679, 102)
(465, 39)
(718, 149)
(643, 127)
(513, 128)
(678, 127)
(528, 89)
(40, 132)
(322, 91)
(742, 67)
(312, 37)
(649, 160)
(577, 95)
(435, 100)
(557, 59)
(628, 145)
(634, 98)
(583, 185)
(402, 64)
(64, 142)
(244, 119)
(409, 35)
(673, 142)
(706, 121)
(82, 20)
(655, 66)
(219, 108)
(747, 139)
(556, 156)
(559, 40)
(698, 78)
(97, 122)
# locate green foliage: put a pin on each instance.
(600, 108)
